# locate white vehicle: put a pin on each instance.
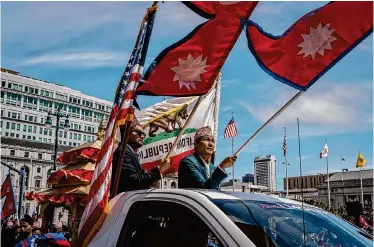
(207, 218)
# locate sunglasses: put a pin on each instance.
(139, 133)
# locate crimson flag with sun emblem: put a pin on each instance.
(8, 206)
(190, 66)
(313, 44)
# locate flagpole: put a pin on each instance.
(271, 119)
(184, 127)
(285, 160)
(328, 178)
(233, 169)
(130, 117)
(301, 177)
(361, 188)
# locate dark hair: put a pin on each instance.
(27, 218)
(36, 228)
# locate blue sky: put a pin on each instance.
(85, 46)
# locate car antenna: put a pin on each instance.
(301, 177)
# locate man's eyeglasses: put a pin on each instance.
(139, 133)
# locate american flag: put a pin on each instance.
(97, 208)
(230, 130)
(285, 143)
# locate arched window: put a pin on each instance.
(173, 185)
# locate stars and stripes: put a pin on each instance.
(230, 130)
(122, 110)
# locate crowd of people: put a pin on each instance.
(351, 212)
(29, 234)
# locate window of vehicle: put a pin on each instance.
(165, 224)
(284, 225)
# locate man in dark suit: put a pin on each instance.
(133, 176)
(196, 170)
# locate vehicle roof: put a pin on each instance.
(225, 195)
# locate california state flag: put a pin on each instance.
(162, 122)
(324, 152)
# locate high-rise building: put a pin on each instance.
(25, 140)
(248, 178)
(265, 172)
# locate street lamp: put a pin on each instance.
(48, 124)
(66, 126)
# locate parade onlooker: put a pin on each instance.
(26, 238)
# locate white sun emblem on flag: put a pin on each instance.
(188, 72)
(317, 41)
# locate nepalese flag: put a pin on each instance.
(122, 111)
(313, 44)
(190, 66)
(8, 206)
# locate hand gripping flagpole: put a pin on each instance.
(271, 119)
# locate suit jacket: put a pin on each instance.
(133, 176)
(192, 174)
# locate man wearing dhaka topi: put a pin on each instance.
(196, 170)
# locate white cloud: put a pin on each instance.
(80, 59)
(225, 108)
(343, 107)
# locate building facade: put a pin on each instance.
(248, 178)
(346, 186)
(306, 182)
(25, 140)
(265, 172)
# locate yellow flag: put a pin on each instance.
(360, 161)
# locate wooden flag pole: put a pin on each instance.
(184, 127)
(271, 119)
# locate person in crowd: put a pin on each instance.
(133, 176)
(26, 238)
(8, 233)
(196, 170)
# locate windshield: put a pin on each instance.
(283, 225)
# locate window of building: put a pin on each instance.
(167, 219)
(24, 128)
(29, 128)
(79, 137)
(13, 126)
(44, 139)
(60, 134)
(34, 138)
(37, 183)
(17, 135)
(40, 156)
(26, 154)
(52, 157)
(3, 82)
(18, 126)
(34, 129)
(12, 152)
(28, 137)
(11, 134)
(7, 125)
